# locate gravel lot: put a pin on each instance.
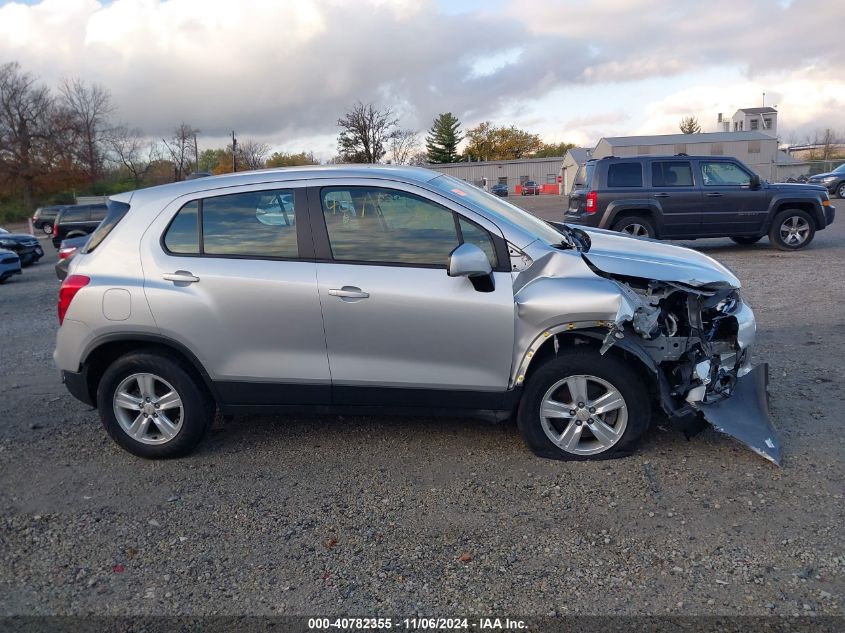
(371, 516)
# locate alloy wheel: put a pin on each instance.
(794, 230)
(148, 408)
(583, 414)
(637, 230)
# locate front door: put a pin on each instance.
(232, 277)
(673, 188)
(399, 330)
(732, 207)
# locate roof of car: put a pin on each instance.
(665, 156)
(176, 189)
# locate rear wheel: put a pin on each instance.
(791, 230)
(47, 228)
(581, 406)
(153, 406)
(747, 241)
(636, 226)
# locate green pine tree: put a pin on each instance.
(442, 141)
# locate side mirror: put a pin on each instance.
(467, 260)
(754, 183)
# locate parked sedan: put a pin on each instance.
(500, 190)
(10, 264)
(67, 250)
(25, 245)
(530, 188)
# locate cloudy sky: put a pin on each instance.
(283, 71)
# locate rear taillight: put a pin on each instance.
(64, 253)
(55, 229)
(592, 202)
(70, 286)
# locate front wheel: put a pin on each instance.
(747, 241)
(47, 228)
(791, 230)
(581, 406)
(841, 190)
(153, 406)
(636, 226)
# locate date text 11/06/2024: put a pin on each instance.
(418, 624)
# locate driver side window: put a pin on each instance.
(370, 224)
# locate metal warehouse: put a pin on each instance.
(543, 171)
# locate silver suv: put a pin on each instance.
(369, 289)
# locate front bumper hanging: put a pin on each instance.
(745, 414)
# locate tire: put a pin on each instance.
(188, 424)
(840, 190)
(550, 381)
(781, 234)
(631, 223)
(47, 228)
(747, 241)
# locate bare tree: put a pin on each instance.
(26, 119)
(364, 134)
(252, 154)
(182, 149)
(402, 144)
(89, 108)
(131, 150)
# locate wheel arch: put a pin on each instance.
(808, 206)
(566, 337)
(103, 351)
(646, 208)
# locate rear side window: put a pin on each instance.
(252, 224)
(625, 175)
(182, 237)
(115, 211)
(671, 174)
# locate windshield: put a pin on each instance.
(524, 220)
(840, 169)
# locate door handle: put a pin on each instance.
(349, 292)
(715, 194)
(661, 195)
(181, 276)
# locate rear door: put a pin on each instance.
(732, 207)
(232, 277)
(399, 330)
(674, 189)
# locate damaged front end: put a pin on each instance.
(698, 339)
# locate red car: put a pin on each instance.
(530, 188)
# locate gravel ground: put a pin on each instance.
(368, 516)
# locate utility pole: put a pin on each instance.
(234, 152)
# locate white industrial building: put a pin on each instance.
(748, 136)
(543, 171)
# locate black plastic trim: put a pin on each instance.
(77, 384)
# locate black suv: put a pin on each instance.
(688, 197)
(44, 217)
(77, 219)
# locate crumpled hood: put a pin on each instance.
(620, 254)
